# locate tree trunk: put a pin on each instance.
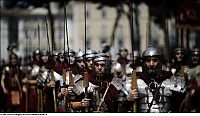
(114, 28)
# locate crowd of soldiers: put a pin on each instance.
(87, 81)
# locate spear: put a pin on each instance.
(26, 76)
(66, 35)
(71, 81)
(64, 69)
(86, 80)
(52, 75)
(40, 96)
(54, 91)
(134, 86)
(47, 33)
(64, 85)
(134, 78)
(86, 85)
(38, 29)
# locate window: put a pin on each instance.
(103, 40)
(119, 31)
(88, 42)
(104, 31)
(103, 13)
(120, 42)
(88, 13)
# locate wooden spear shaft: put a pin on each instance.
(26, 108)
(134, 86)
(86, 85)
(54, 91)
(64, 85)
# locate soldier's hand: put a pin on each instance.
(63, 91)
(51, 84)
(24, 89)
(85, 102)
(5, 91)
(133, 94)
(70, 89)
(25, 80)
(123, 77)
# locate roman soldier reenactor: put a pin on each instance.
(154, 86)
(74, 95)
(102, 77)
(179, 67)
(122, 59)
(29, 82)
(11, 83)
(194, 58)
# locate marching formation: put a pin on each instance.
(90, 81)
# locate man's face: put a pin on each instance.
(135, 58)
(13, 61)
(100, 67)
(195, 58)
(55, 57)
(124, 54)
(151, 64)
(80, 64)
(179, 56)
(61, 58)
(89, 63)
(71, 59)
(45, 58)
(37, 57)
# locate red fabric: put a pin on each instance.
(112, 94)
